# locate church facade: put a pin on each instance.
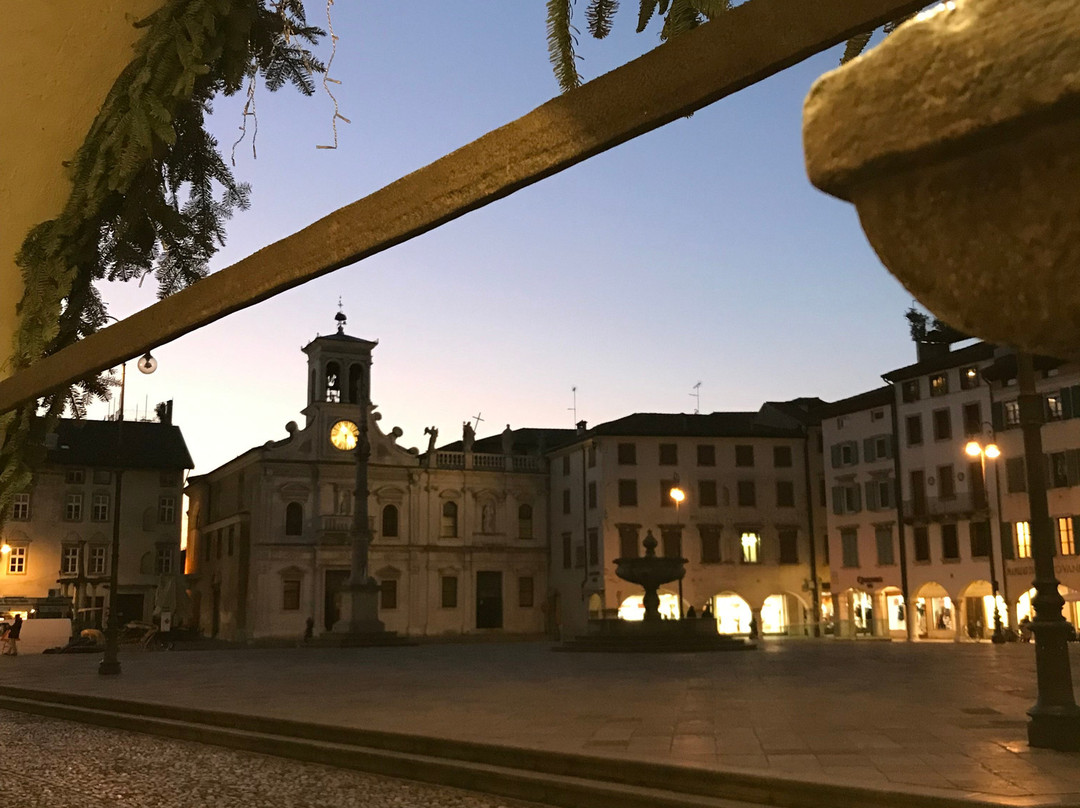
(459, 533)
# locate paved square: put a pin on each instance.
(894, 715)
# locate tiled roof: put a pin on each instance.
(527, 440)
(119, 444)
(878, 397)
(978, 352)
(716, 424)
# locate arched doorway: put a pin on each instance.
(977, 607)
(784, 613)
(732, 613)
(1071, 609)
(895, 618)
(935, 613)
(634, 609)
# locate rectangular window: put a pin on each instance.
(99, 509)
(669, 454)
(665, 493)
(921, 540)
(939, 384)
(592, 495)
(942, 424)
(977, 485)
(917, 479)
(909, 391)
(846, 499)
(627, 493)
(1008, 549)
(879, 495)
(167, 510)
(566, 500)
(845, 454)
(785, 494)
(17, 561)
(1015, 475)
(388, 594)
(913, 427)
(75, 476)
(671, 542)
(781, 457)
(706, 455)
(98, 555)
(789, 546)
(163, 559)
(628, 541)
(946, 482)
(972, 415)
(449, 591)
(579, 557)
(747, 494)
(1011, 413)
(69, 561)
(877, 415)
(73, 508)
(1023, 540)
(594, 547)
(1066, 542)
(1052, 409)
(969, 378)
(950, 542)
(20, 508)
(566, 465)
(883, 539)
(1057, 470)
(627, 454)
(102, 477)
(750, 543)
(567, 551)
(710, 543)
(707, 493)
(590, 455)
(744, 456)
(525, 591)
(290, 595)
(979, 533)
(849, 547)
(167, 479)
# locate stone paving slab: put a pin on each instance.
(902, 716)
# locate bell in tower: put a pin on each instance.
(339, 371)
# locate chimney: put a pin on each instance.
(164, 411)
(581, 427)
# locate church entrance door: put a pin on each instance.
(335, 583)
(489, 604)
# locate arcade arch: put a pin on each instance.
(732, 613)
(1071, 609)
(935, 613)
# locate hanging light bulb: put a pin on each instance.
(147, 363)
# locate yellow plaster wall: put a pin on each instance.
(59, 61)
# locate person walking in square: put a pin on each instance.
(12, 639)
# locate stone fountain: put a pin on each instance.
(653, 635)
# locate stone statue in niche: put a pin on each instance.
(433, 433)
(507, 440)
(487, 518)
(468, 435)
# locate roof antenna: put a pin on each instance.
(697, 398)
(573, 391)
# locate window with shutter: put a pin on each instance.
(946, 482)
(872, 496)
(979, 533)
(950, 542)
(1072, 466)
(921, 540)
(1015, 480)
(789, 546)
(838, 499)
(884, 540)
(849, 548)
(1007, 551)
(913, 427)
(868, 450)
(997, 416)
(834, 451)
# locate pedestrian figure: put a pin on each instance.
(690, 613)
(11, 639)
(706, 613)
(1025, 630)
(753, 628)
(309, 629)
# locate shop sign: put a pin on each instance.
(870, 581)
(1027, 567)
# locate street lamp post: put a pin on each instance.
(677, 496)
(990, 450)
(110, 663)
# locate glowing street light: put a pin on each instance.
(5, 549)
(677, 496)
(990, 450)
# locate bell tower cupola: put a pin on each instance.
(339, 373)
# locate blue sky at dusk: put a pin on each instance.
(699, 252)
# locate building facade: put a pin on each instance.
(57, 544)
(460, 532)
(744, 523)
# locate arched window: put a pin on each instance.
(294, 519)
(389, 520)
(356, 384)
(333, 383)
(525, 521)
(449, 519)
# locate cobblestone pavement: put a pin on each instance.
(943, 716)
(60, 764)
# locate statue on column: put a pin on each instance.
(434, 436)
(468, 435)
(507, 440)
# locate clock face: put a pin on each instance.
(344, 435)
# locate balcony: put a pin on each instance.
(937, 509)
(487, 462)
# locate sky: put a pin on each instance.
(696, 253)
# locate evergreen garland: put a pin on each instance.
(150, 191)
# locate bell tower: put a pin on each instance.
(339, 376)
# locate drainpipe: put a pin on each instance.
(815, 588)
(909, 624)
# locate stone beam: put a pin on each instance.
(744, 46)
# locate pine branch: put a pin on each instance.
(561, 42)
(599, 16)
